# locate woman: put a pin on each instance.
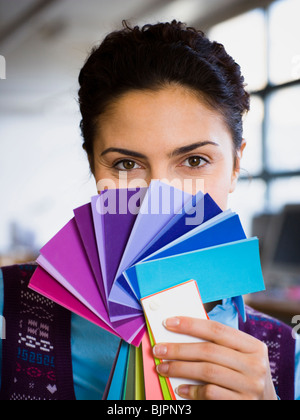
(164, 102)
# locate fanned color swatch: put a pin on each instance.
(128, 245)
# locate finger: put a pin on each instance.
(206, 373)
(214, 332)
(207, 393)
(202, 352)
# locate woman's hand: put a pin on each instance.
(231, 364)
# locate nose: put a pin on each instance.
(188, 185)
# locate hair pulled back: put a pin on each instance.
(152, 57)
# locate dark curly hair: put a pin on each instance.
(152, 57)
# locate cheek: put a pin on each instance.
(219, 194)
(105, 180)
(219, 186)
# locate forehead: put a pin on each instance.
(164, 119)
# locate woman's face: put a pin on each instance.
(170, 135)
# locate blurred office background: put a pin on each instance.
(44, 172)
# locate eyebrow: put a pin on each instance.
(124, 152)
(177, 152)
(186, 149)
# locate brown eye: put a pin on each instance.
(126, 165)
(195, 162)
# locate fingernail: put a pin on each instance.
(160, 350)
(171, 322)
(163, 368)
(183, 391)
